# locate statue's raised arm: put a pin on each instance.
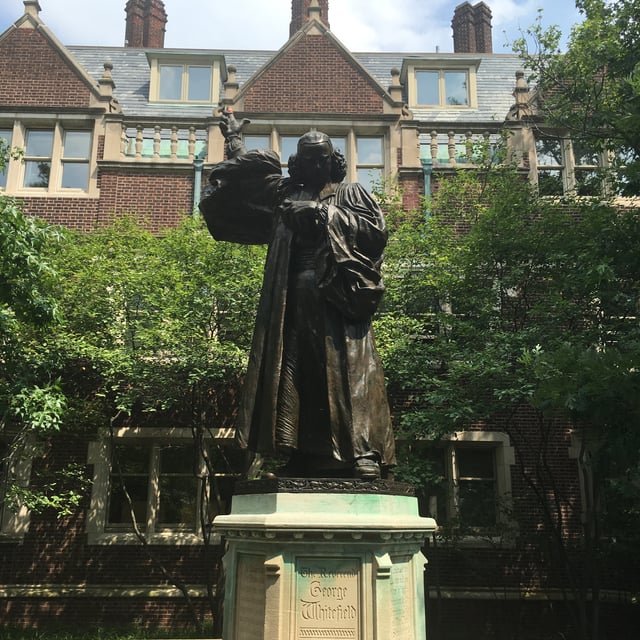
(232, 131)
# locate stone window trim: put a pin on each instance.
(441, 66)
(99, 455)
(58, 124)
(16, 469)
(159, 59)
(504, 458)
(568, 165)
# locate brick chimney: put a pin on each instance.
(300, 13)
(146, 20)
(472, 28)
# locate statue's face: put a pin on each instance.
(314, 163)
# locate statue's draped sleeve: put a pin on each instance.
(351, 256)
(241, 199)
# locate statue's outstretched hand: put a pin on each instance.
(229, 126)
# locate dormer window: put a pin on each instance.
(441, 84)
(443, 88)
(179, 78)
(184, 83)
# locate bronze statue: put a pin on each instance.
(314, 387)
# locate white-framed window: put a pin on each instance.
(153, 478)
(370, 161)
(365, 154)
(442, 88)
(439, 84)
(469, 490)
(15, 469)
(59, 158)
(192, 79)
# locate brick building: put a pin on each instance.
(112, 130)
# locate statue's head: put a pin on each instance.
(316, 162)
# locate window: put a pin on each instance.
(58, 158)
(588, 170)
(155, 481)
(5, 137)
(442, 88)
(551, 165)
(565, 166)
(467, 482)
(370, 162)
(364, 154)
(178, 78)
(154, 476)
(185, 83)
(37, 159)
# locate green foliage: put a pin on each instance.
(501, 300)
(116, 324)
(592, 91)
(61, 491)
(152, 322)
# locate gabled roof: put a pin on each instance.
(33, 22)
(304, 66)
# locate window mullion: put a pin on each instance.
(184, 90)
(153, 500)
(352, 159)
(55, 178)
(452, 461)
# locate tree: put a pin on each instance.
(592, 91)
(154, 331)
(502, 305)
(32, 405)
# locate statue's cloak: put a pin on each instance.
(243, 206)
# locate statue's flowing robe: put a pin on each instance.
(314, 382)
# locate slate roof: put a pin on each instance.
(495, 80)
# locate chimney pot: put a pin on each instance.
(145, 24)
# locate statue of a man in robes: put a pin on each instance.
(314, 388)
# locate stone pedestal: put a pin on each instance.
(324, 559)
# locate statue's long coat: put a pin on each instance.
(243, 207)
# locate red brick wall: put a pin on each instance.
(145, 25)
(54, 552)
(412, 188)
(160, 197)
(313, 77)
(50, 83)
(73, 213)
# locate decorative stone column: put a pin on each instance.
(324, 559)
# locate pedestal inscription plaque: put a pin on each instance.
(250, 597)
(328, 598)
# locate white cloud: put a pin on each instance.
(362, 25)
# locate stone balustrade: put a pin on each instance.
(161, 142)
(455, 148)
(182, 142)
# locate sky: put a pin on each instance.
(361, 25)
